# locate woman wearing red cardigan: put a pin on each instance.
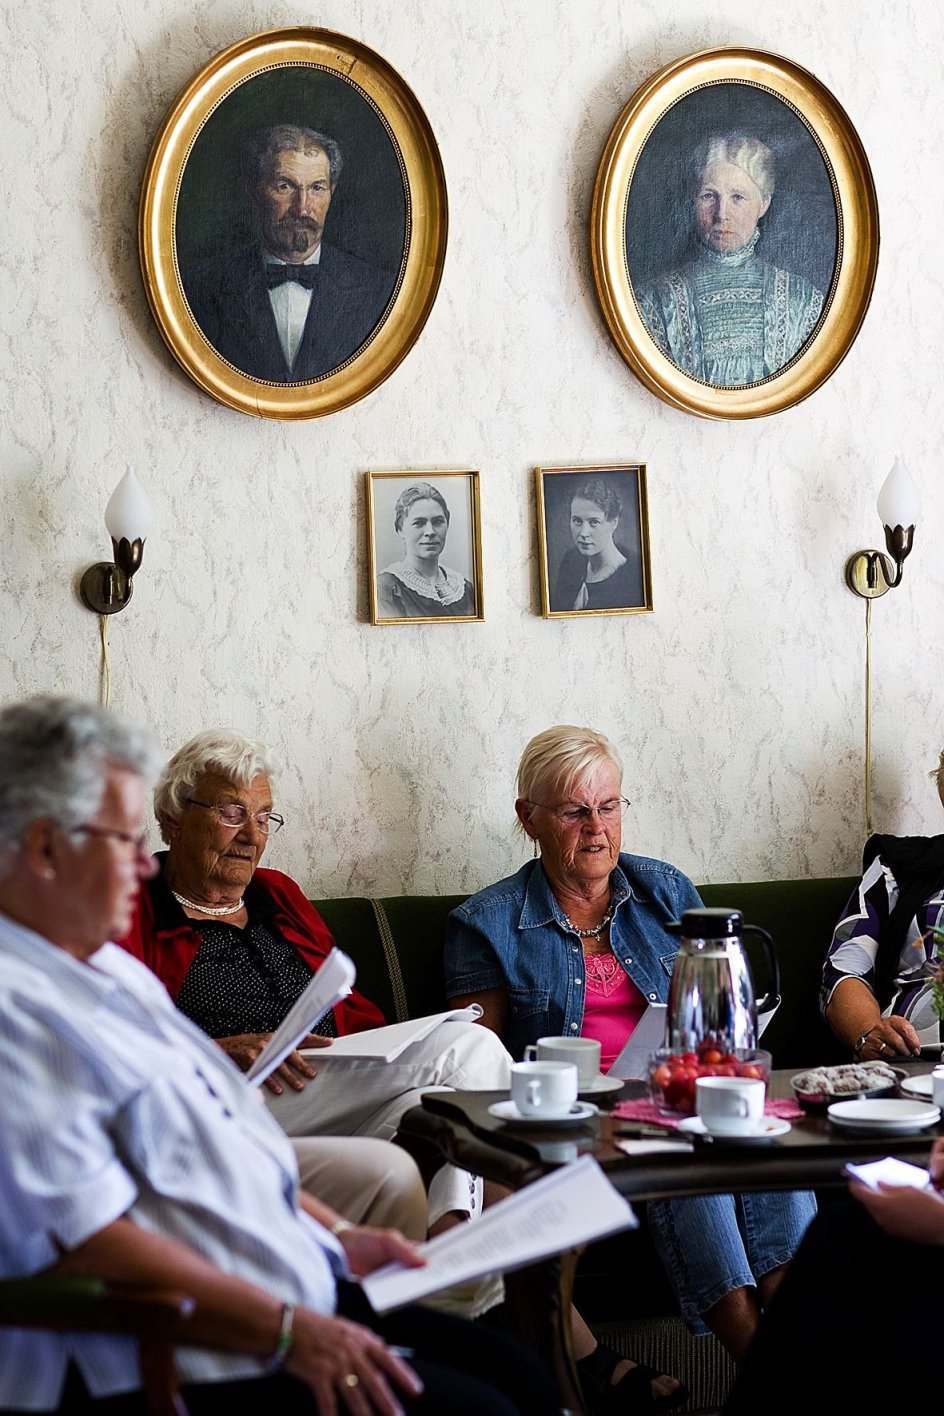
(236, 945)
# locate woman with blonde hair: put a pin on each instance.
(576, 944)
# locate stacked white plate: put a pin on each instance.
(880, 1114)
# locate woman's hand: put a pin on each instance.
(367, 1249)
(347, 1367)
(903, 1211)
(244, 1048)
(888, 1038)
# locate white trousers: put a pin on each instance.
(366, 1181)
(357, 1097)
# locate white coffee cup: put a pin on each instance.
(544, 1088)
(730, 1106)
(584, 1052)
(937, 1086)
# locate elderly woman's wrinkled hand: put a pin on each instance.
(347, 1367)
(296, 1070)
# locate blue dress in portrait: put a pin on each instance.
(730, 319)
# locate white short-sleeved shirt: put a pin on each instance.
(115, 1104)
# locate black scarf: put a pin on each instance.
(917, 863)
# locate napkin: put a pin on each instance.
(645, 1110)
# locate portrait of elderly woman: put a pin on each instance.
(576, 943)
(594, 539)
(418, 584)
(727, 314)
(235, 945)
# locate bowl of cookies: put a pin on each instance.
(819, 1087)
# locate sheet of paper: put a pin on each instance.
(570, 1206)
(385, 1044)
(764, 1018)
(646, 1036)
(649, 1034)
(332, 982)
(890, 1171)
(671, 1143)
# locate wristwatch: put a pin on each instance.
(860, 1043)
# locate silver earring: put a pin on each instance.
(535, 856)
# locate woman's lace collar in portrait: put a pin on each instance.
(732, 258)
(448, 588)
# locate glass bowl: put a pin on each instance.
(672, 1074)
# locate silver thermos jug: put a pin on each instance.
(711, 992)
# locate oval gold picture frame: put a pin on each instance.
(395, 144)
(700, 79)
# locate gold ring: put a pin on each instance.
(350, 1380)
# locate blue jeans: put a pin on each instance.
(713, 1244)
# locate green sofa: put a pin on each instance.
(396, 944)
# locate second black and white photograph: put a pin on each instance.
(593, 534)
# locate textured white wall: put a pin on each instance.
(738, 704)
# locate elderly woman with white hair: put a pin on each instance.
(728, 316)
(236, 945)
(576, 944)
(133, 1152)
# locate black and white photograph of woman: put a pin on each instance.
(595, 551)
(424, 546)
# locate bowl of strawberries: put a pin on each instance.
(673, 1074)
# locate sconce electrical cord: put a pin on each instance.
(106, 664)
(868, 719)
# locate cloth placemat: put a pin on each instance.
(646, 1110)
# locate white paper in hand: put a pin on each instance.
(565, 1209)
(332, 982)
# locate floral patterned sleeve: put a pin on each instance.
(855, 939)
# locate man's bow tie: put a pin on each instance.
(305, 275)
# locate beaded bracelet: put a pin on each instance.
(283, 1343)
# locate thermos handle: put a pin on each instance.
(772, 997)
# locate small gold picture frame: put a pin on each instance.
(425, 547)
(292, 223)
(731, 311)
(593, 535)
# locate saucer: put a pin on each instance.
(891, 1116)
(767, 1130)
(507, 1111)
(602, 1083)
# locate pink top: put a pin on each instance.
(613, 1006)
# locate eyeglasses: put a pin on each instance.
(571, 815)
(233, 815)
(138, 843)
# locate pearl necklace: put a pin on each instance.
(596, 931)
(208, 909)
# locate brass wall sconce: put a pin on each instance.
(871, 573)
(106, 587)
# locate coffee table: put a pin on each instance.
(811, 1155)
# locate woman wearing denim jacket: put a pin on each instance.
(575, 944)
